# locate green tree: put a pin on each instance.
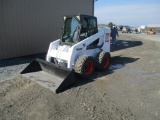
(110, 25)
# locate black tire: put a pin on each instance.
(103, 61)
(84, 66)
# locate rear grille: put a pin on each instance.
(52, 60)
(62, 64)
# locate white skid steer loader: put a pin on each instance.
(81, 49)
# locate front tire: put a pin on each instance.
(85, 66)
(103, 61)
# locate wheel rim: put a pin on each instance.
(106, 62)
(88, 68)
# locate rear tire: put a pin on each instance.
(103, 61)
(85, 66)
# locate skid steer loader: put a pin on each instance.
(81, 49)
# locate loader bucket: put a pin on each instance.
(49, 75)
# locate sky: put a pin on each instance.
(128, 12)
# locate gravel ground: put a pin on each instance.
(147, 37)
(9, 68)
(129, 90)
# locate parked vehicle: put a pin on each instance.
(150, 31)
(81, 49)
(126, 30)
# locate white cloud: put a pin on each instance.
(132, 15)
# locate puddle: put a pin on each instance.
(125, 43)
(117, 66)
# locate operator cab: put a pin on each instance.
(77, 28)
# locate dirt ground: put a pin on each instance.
(129, 90)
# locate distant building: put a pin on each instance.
(155, 26)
